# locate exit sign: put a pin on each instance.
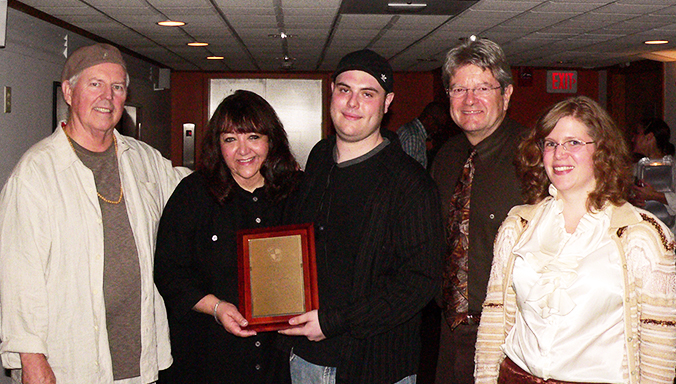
(562, 81)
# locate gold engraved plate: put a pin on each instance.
(276, 274)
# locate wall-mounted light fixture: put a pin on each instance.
(406, 6)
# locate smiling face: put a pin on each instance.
(244, 154)
(478, 117)
(358, 103)
(572, 173)
(97, 98)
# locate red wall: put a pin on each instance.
(413, 90)
(529, 101)
(188, 105)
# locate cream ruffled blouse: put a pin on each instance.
(569, 289)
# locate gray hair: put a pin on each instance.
(483, 53)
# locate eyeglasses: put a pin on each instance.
(483, 91)
(572, 145)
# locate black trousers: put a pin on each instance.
(456, 354)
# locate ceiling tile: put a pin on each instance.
(565, 7)
(165, 4)
(504, 5)
(629, 8)
(532, 32)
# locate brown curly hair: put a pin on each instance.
(611, 158)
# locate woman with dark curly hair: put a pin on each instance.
(245, 174)
(583, 285)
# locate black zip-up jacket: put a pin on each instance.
(396, 271)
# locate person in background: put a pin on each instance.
(78, 215)
(582, 287)
(421, 137)
(245, 174)
(478, 185)
(378, 237)
(652, 140)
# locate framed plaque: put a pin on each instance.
(277, 275)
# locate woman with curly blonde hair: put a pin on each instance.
(583, 285)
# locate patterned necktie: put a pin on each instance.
(456, 266)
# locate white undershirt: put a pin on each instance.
(569, 292)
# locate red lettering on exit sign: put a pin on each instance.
(562, 81)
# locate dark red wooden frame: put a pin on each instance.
(274, 323)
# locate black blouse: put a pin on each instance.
(197, 255)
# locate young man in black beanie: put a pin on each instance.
(379, 240)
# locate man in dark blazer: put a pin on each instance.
(478, 81)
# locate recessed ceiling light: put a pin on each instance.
(215, 57)
(198, 44)
(656, 42)
(171, 23)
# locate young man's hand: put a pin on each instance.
(306, 325)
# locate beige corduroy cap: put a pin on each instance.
(89, 56)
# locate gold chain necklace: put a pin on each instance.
(119, 199)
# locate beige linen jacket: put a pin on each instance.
(51, 259)
(646, 249)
